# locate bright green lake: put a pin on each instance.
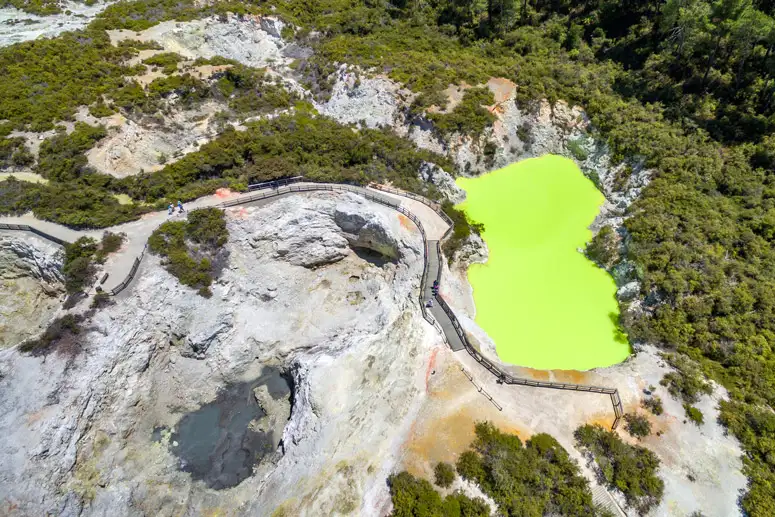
(544, 303)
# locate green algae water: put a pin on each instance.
(543, 302)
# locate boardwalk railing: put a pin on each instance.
(132, 272)
(28, 228)
(436, 207)
(501, 375)
(275, 183)
(363, 192)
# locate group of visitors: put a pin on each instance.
(435, 291)
(171, 209)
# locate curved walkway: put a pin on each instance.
(123, 265)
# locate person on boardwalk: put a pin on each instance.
(180, 206)
(170, 209)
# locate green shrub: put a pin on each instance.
(469, 117)
(462, 228)
(167, 61)
(414, 497)
(637, 425)
(653, 404)
(61, 334)
(688, 383)
(101, 300)
(190, 246)
(78, 267)
(538, 478)
(694, 414)
(443, 474)
(629, 469)
(603, 249)
(111, 242)
(577, 150)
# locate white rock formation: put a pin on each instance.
(132, 147)
(17, 26)
(443, 181)
(252, 40)
(31, 285)
(77, 430)
(366, 101)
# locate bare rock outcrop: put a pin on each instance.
(80, 433)
(252, 40)
(366, 101)
(17, 26)
(31, 285)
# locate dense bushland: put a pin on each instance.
(413, 497)
(629, 469)
(289, 145)
(537, 478)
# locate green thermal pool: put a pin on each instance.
(544, 304)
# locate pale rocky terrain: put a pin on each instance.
(252, 40)
(17, 26)
(31, 285)
(298, 292)
(132, 147)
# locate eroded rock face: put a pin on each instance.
(252, 40)
(443, 181)
(131, 148)
(79, 432)
(17, 26)
(31, 285)
(367, 101)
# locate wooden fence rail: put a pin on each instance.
(32, 229)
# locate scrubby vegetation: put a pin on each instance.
(167, 61)
(78, 266)
(603, 249)
(443, 474)
(61, 157)
(191, 247)
(653, 404)
(629, 469)
(39, 7)
(688, 382)
(463, 227)
(538, 478)
(13, 153)
(289, 145)
(81, 257)
(694, 414)
(61, 335)
(470, 116)
(637, 425)
(413, 497)
(45, 80)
